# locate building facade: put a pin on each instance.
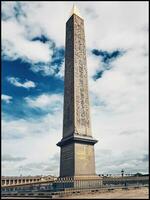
(18, 180)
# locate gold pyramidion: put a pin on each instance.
(75, 11)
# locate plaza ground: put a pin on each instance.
(131, 193)
(140, 193)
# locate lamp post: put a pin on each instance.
(122, 172)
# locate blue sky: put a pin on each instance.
(33, 47)
(21, 71)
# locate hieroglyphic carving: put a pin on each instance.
(76, 99)
(82, 122)
(68, 119)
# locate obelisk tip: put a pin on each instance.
(75, 11)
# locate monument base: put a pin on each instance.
(77, 156)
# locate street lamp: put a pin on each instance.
(122, 172)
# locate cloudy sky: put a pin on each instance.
(33, 38)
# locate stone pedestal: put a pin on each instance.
(77, 156)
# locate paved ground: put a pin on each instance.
(141, 193)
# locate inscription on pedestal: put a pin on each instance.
(84, 159)
(67, 161)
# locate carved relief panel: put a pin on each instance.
(76, 99)
(82, 117)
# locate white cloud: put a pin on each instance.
(26, 132)
(10, 158)
(45, 101)
(131, 162)
(16, 82)
(60, 74)
(115, 25)
(46, 70)
(6, 98)
(116, 21)
(124, 88)
(93, 64)
(36, 140)
(16, 45)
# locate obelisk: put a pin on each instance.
(77, 157)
